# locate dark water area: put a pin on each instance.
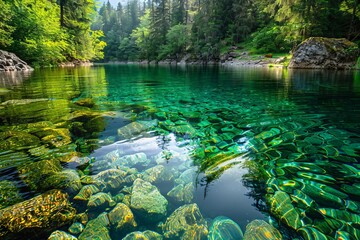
(281, 146)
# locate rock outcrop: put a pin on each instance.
(325, 53)
(10, 62)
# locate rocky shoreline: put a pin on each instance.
(313, 53)
(9, 62)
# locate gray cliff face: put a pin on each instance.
(325, 53)
(10, 62)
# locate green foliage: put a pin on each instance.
(152, 31)
(38, 37)
(5, 28)
(128, 50)
(141, 35)
(269, 39)
(176, 41)
(44, 32)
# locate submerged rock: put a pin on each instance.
(182, 193)
(146, 200)
(111, 179)
(86, 192)
(146, 235)
(101, 200)
(261, 230)
(11, 140)
(9, 194)
(157, 174)
(318, 52)
(97, 229)
(34, 174)
(67, 180)
(131, 161)
(85, 102)
(122, 218)
(42, 213)
(60, 235)
(76, 228)
(223, 228)
(135, 128)
(186, 222)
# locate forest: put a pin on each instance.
(52, 31)
(49, 32)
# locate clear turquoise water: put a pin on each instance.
(244, 133)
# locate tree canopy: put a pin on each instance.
(159, 29)
(46, 32)
(52, 31)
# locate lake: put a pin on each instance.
(152, 152)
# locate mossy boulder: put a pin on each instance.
(325, 53)
(223, 228)
(9, 194)
(45, 212)
(97, 228)
(261, 230)
(122, 218)
(182, 193)
(186, 222)
(34, 174)
(147, 201)
(67, 180)
(60, 235)
(146, 235)
(15, 140)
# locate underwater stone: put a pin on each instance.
(47, 211)
(13, 159)
(111, 179)
(85, 102)
(113, 155)
(223, 228)
(182, 193)
(34, 174)
(119, 197)
(122, 217)
(83, 218)
(185, 219)
(102, 200)
(281, 207)
(146, 235)
(67, 180)
(55, 137)
(261, 230)
(86, 192)
(76, 228)
(86, 179)
(146, 200)
(60, 235)
(97, 229)
(9, 194)
(10, 140)
(158, 174)
(135, 128)
(186, 177)
(133, 160)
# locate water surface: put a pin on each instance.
(243, 140)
